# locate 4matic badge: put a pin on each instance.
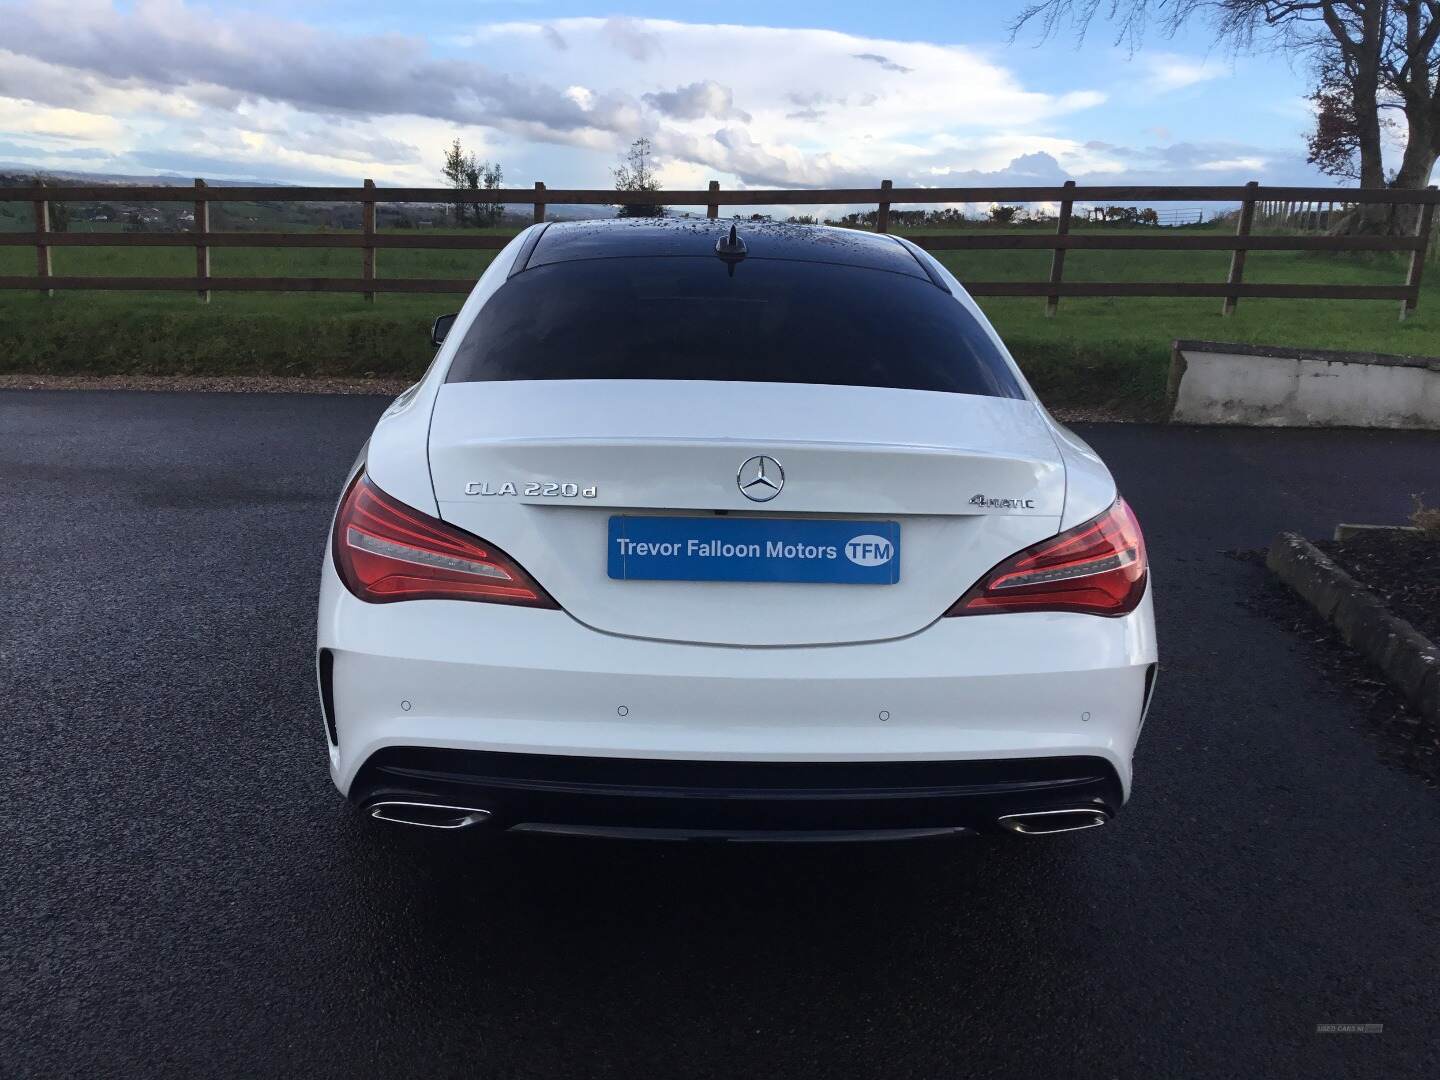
(1002, 504)
(533, 489)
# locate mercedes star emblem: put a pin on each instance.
(760, 478)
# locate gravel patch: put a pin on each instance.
(1098, 415)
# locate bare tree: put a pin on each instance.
(1370, 56)
(637, 173)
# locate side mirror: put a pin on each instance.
(440, 328)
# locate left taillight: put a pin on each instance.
(1097, 568)
(386, 551)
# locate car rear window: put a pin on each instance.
(760, 320)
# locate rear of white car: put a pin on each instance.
(688, 534)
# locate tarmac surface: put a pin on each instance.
(183, 893)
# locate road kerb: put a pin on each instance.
(1408, 658)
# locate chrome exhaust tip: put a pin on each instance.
(1044, 822)
(427, 815)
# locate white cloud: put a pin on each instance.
(1164, 72)
(631, 38)
(805, 106)
(557, 99)
(1254, 164)
(24, 117)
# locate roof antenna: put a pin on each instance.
(730, 246)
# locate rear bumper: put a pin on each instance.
(725, 800)
(977, 692)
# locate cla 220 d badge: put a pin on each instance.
(534, 489)
(760, 478)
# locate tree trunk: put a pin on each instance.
(1367, 115)
(1416, 166)
(1422, 147)
(1363, 56)
(1370, 218)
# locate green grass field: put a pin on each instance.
(1094, 353)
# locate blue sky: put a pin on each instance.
(780, 94)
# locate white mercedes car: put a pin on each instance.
(697, 531)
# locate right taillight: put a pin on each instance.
(1097, 568)
(386, 551)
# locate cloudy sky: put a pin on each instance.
(780, 94)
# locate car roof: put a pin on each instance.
(613, 238)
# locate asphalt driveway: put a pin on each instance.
(182, 892)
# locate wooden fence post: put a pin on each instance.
(539, 203)
(42, 248)
(202, 249)
(1237, 256)
(1417, 257)
(882, 219)
(712, 210)
(1057, 256)
(367, 225)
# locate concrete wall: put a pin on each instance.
(1225, 383)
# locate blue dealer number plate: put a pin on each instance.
(754, 549)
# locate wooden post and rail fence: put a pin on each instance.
(1302, 206)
